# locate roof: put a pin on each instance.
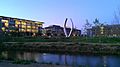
(21, 19)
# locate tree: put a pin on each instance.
(97, 23)
(116, 18)
(87, 26)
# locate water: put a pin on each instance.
(72, 60)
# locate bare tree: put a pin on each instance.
(86, 27)
(116, 18)
(97, 23)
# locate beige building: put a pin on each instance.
(21, 26)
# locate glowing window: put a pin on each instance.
(3, 29)
(5, 21)
(6, 24)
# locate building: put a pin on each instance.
(76, 32)
(106, 30)
(89, 33)
(19, 27)
(56, 30)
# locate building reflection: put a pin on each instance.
(27, 56)
(63, 59)
(105, 61)
(67, 59)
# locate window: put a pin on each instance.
(3, 29)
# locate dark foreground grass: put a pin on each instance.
(62, 39)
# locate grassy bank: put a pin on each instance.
(63, 47)
(61, 39)
(88, 45)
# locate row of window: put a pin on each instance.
(22, 26)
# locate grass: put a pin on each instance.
(62, 39)
(32, 39)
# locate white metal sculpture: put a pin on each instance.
(68, 35)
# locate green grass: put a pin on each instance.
(62, 39)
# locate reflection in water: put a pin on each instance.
(65, 60)
(73, 60)
(104, 61)
(27, 56)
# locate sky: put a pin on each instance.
(56, 11)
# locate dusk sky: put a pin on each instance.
(55, 11)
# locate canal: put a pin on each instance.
(64, 59)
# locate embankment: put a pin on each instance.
(64, 47)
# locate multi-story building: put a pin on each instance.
(76, 32)
(55, 30)
(106, 30)
(20, 27)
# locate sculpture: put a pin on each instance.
(68, 35)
